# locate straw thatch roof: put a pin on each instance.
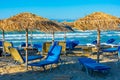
(26, 16)
(69, 24)
(97, 19)
(30, 21)
(51, 26)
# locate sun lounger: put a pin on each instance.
(110, 41)
(119, 53)
(63, 44)
(107, 43)
(52, 58)
(6, 47)
(23, 44)
(45, 47)
(110, 50)
(19, 58)
(71, 44)
(93, 43)
(38, 46)
(90, 64)
(1, 43)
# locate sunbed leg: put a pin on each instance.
(32, 67)
(60, 61)
(15, 62)
(87, 70)
(50, 67)
(44, 68)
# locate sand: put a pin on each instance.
(69, 69)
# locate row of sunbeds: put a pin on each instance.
(53, 56)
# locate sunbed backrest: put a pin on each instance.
(55, 54)
(6, 46)
(16, 55)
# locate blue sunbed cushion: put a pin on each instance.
(110, 50)
(52, 47)
(96, 66)
(92, 64)
(110, 41)
(50, 59)
(71, 44)
(30, 58)
(0, 43)
(41, 63)
(86, 60)
(94, 42)
(23, 44)
(55, 53)
(38, 46)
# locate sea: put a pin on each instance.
(83, 37)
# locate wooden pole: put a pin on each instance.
(65, 36)
(53, 37)
(3, 39)
(27, 49)
(31, 36)
(98, 44)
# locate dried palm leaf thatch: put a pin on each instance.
(21, 22)
(26, 16)
(97, 19)
(30, 21)
(71, 24)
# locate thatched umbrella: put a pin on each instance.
(69, 25)
(3, 37)
(51, 26)
(99, 21)
(10, 25)
(27, 22)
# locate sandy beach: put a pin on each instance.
(69, 69)
(80, 28)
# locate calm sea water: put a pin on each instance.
(39, 37)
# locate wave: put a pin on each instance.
(82, 36)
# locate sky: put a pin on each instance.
(59, 9)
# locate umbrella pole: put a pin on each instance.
(65, 36)
(53, 38)
(26, 49)
(3, 37)
(98, 44)
(31, 38)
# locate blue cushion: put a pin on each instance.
(110, 41)
(30, 58)
(110, 50)
(50, 58)
(71, 44)
(23, 44)
(92, 64)
(96, 66)
(52, 47)
(1, 43)
(38, 46)
(41, 63)
(86, 60)
(94, 42)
